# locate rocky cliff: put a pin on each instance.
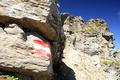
(38, 43)
(86, 43)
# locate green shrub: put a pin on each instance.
(8, 77)
(104, 25)
(90, 29)
(11, 77)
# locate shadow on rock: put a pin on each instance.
(64, 72)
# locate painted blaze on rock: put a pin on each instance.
(41, 48)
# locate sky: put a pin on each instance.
(109, 10)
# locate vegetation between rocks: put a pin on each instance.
(4, 76)
(90, 29)
(111, 61)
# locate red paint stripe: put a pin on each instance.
(40, 42)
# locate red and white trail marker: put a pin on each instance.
(41, 48)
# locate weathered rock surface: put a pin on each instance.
(92, 37)
(80, 66)
(32, 18)
(111, 64)
(32, 13)
(85, 43)
(16, 56)
(117, 54)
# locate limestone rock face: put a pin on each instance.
(16, 56)
(26, 8)
(79, 66)
(31, 18)
(42, 15)
(92, 37)
(111, 64)
(85, 43)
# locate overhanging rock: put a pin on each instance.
(32, 13)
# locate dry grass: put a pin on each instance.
(111, 61)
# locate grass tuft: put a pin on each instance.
(111, 61)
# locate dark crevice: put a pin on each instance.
(61, 70)
(64, 72)
(17, 75)
(107, 37)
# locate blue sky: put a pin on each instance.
(109, 10)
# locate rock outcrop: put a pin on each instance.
(30, 18)
(92, 37)
(85, 43)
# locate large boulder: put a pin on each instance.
(31, 18)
